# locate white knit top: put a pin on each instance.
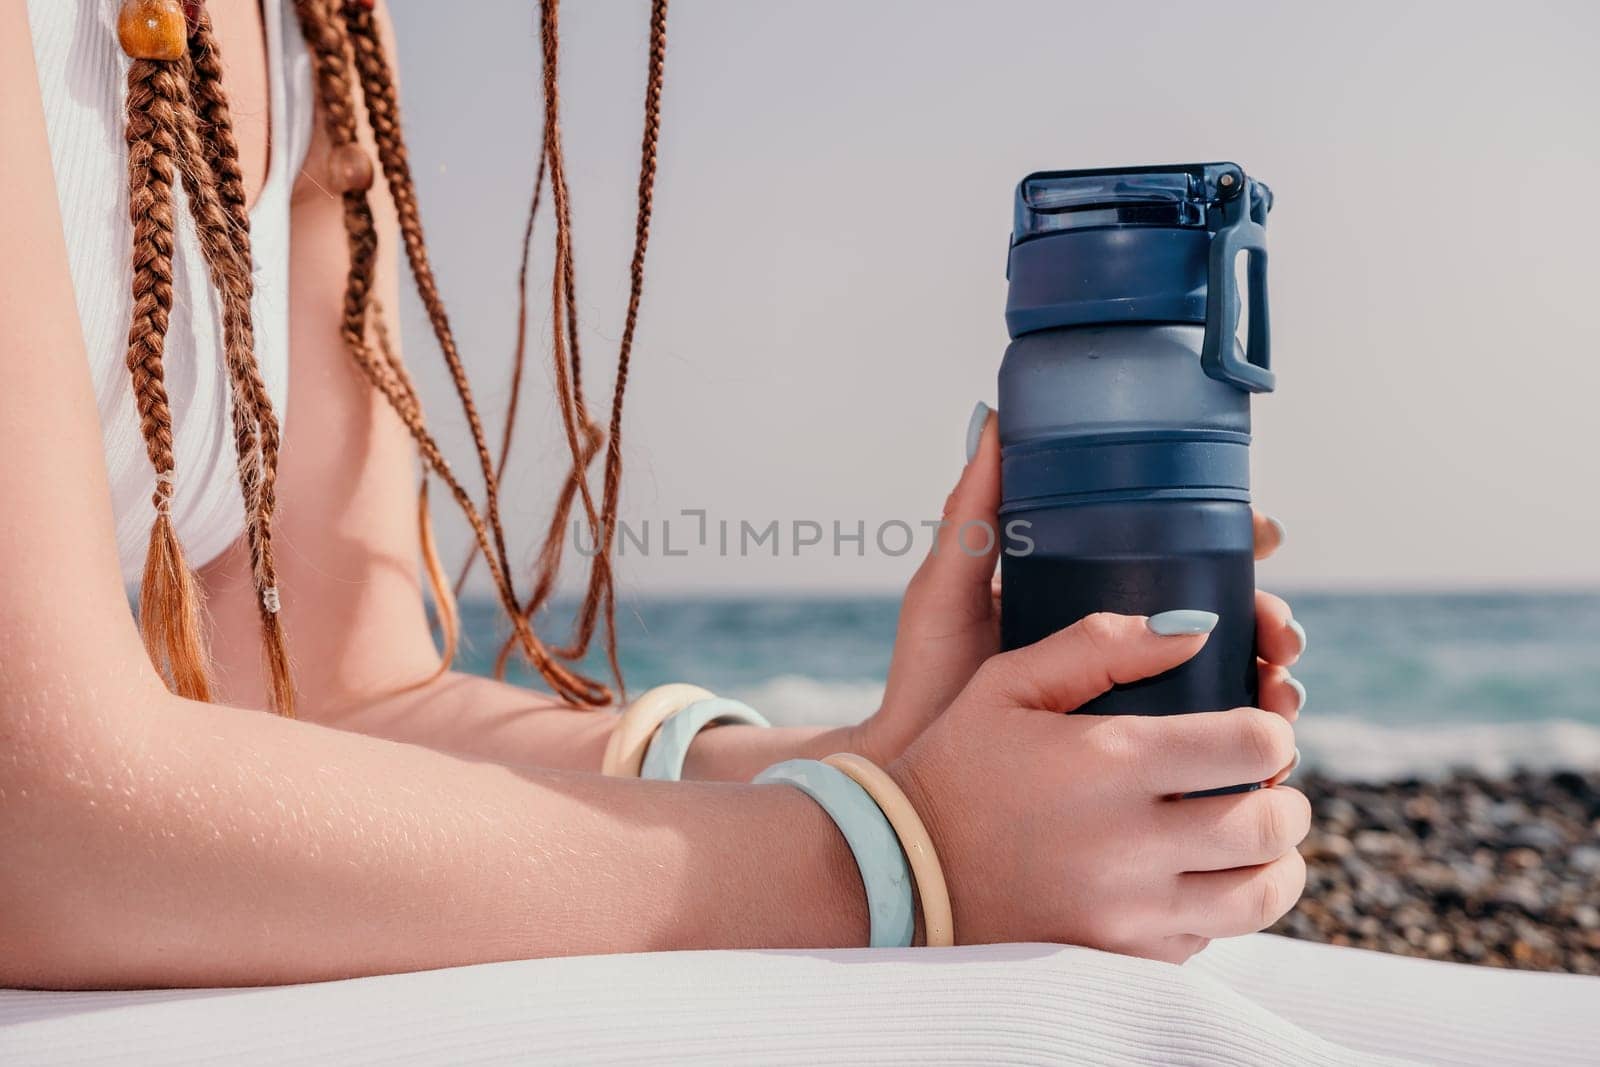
(83, 81)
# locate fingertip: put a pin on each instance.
(1299, 636)
(1182, 622)
(1299, 691)
(970, 536)
(1271, 609)
(977, 490)
(1279, 636)
(977, 428)
(1283, 776)
(1281, 693)
(1277, 738)
(1270, 535)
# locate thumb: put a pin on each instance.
(1073, 666)
(955, 578)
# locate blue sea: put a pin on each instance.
(1398, 684)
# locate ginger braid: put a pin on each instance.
(446, 609)
(600, 595)
(601, 584)
(519, 356)
(383, 113)
(169, 597)
(568, 362)
(215, 185)
(326, 36)
(179, 119)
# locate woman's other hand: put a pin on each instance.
(950, 615)
(1061, 827)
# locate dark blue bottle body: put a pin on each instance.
(1124, 417)
(1137, 558)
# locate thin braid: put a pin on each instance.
(519, 357)
(383, 111)
(215, 119)
(583, 435)
(581, 428)
(566, 306)
(446, 608)
(169, 596)
(641, 241)
(363, 251)
(217, 202)
(581, 431)
(600, 596)
(326, 37)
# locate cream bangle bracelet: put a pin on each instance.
(937, 921)
(631, 735)
(667, 750)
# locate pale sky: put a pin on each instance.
(826, 282)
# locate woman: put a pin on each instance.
(159, 828)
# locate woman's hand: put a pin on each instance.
(950, 616)
(1065, 828)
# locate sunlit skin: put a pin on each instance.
(154, 841)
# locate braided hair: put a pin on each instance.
(179, 128)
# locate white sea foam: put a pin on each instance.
(793, 700)
(1353, 748)
(1341, 745)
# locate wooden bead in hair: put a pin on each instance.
(153, 29)
(350, 169)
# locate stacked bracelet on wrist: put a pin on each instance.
(938, 925)
(652, 736)
(892, 848)
(872, 842)
(886, 837)
(633, 729)
(663, 759)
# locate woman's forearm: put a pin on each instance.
(185, 844)
(739, 753)
(484, 719)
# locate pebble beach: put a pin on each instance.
(1500, 872)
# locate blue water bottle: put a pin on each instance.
(1125, 414)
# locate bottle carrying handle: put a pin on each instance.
(1243, 230)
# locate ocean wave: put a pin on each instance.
(793, 700)
(1343, 746)
(1353, 748)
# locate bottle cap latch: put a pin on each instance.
(1243, 230)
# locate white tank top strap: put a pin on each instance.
(83, 83)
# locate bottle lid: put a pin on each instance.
(1143, 244)
(1188, 195)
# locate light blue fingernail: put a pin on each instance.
(980, 416)
(1300, 632)
(1283, 535)
(1183, 621)
(1299, 692)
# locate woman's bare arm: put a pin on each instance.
(347, 534)
(147, 840)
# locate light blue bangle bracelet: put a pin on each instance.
(872, 841)
(663, 760)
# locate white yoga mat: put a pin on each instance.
(1257, 1000)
